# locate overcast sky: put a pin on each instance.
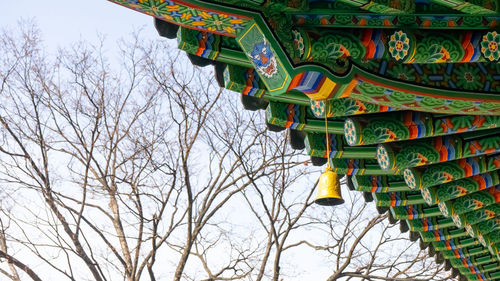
(63, 22)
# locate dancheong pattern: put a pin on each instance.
(483, 77)
(410, 94)
(186, 15)
(406, 100)
(456, 21)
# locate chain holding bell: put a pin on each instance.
(329, 183)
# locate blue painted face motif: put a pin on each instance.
(261, 54)
(264, 60)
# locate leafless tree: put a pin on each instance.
(127, 162)
(279, 210)
(363, 245)
(145, 168)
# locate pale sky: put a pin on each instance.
(63, 22)
(66, 21)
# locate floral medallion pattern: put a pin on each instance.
(410, 179)
(383, 157)
(489, 46)
(468, 77)
(350, 132)
(399, 45)
(402, 72)
(318, 107)
(426, 194)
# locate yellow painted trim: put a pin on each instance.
(325, 91)
(250, 28)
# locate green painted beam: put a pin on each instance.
(393, 199)
(477, 216)
(459, 188)
(357, 167)
(455, 243)
(491, 276)
(473, 251)
(381, 6)
(294, 97)
(331, 18)
(408, 125)
(326, 46)
(316, 146)
(477, 260)
(233, 57)
(294, 116)
(208, 45)
(401, 95)
(429, 224)
(342, 107)
(380, 183)
(471, 202)
(436, 174)
(492, 238)
(443, 234)
(415, 212)
(484, 227)
(474, 269)
(408, 154)
(244, 80)
(318, 126)
(466, 7)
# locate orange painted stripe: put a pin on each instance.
(348, 90)
(443, 153)
(296, 81)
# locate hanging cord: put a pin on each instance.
(327, 139)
